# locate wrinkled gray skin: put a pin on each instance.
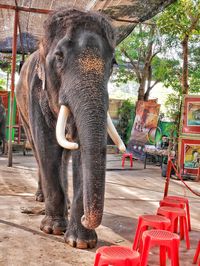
(71, 68)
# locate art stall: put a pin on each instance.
(189, 140)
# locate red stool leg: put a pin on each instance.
(174, 250)
(131, 160)
(123, 160)
(188, 216)
(175, 229)
(181, 228)
(137, 234)
(186, 232)
(97, 258)
(145, 251)
(144, 228)
(196, 255)
(162, 256)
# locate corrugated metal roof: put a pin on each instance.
(122, 12)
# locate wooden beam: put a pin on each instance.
(12, 86)
(136, 21)
(26, 9)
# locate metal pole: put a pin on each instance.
(12, 86)
(168, 174)
(25, 9)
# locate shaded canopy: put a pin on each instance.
(125, 15)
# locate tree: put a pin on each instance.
(180, 22)
(137, 57)
(5, 64)
(179, 25)
(126, 116)
(2, 84)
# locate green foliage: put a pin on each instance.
(176, 20)
(163, 68)
(122, 75)
(194, 70)
(133, 50)
(126, 118)
(5, 63)
(2, 84)
(173, 106)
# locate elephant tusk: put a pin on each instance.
(60, 129)
(114, 134)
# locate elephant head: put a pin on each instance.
(76, 55)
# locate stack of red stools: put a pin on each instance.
(161, 230)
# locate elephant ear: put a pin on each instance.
(41, 65)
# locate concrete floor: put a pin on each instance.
(129, 193)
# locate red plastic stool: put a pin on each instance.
(186, 201)
(196, 255)
(116, 256)
(172, 203)
(166, 240)
(126, 155)
(175, 214)
(146, 221)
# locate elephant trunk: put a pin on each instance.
(91, 123)
(90, 115)
(93, 137)
(93, 187)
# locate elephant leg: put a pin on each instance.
(4, 147)
(77, 235)
(39, 196)
(65, 161)
(55, 205)
(50, 161)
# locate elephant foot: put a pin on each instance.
(39, 196)
(80, 238)
(53, 225)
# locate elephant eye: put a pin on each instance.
(114, 62)
(59, 56)
(70, 42)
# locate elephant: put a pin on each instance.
(63, 102)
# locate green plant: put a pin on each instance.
(126, 117)
(2, 84)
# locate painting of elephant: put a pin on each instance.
(63, 101)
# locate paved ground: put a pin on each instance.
(129, 193)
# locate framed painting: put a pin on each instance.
(190, 155)
(144, 127)
(191, 115)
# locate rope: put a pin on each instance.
(180, 177)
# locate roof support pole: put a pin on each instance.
(12, 86)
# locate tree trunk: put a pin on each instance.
(7, 81)
(146, 95)
(141, 90)
(185, 86)
(144, 78)
(147, 64)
